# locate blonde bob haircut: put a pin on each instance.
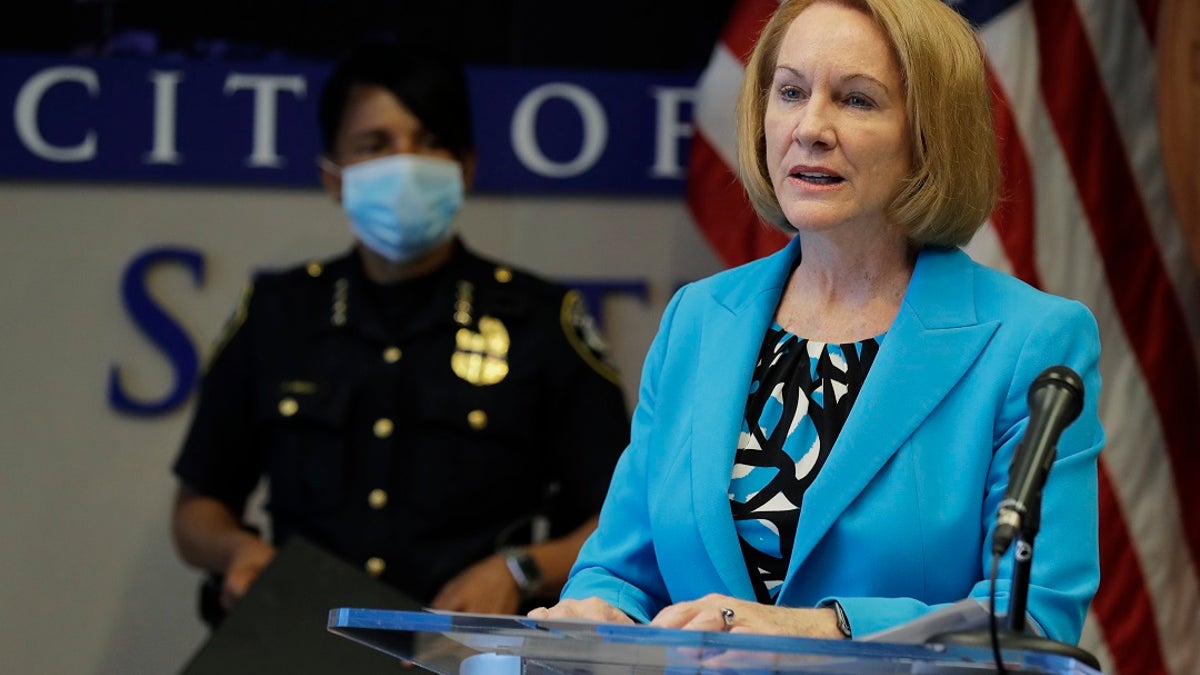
(955, 170)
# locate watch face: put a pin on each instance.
(533, 575)
(524, 570)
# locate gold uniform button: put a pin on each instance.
(314, 269)
(477, 419)
(377, 498)
(503, 275)
(288, 407)
(375, 566)
(391, 354)
(383, 427)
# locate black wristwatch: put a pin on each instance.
(524, 570)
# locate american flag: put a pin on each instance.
(1097, 110)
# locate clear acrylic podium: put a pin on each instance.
(451, 643)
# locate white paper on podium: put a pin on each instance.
(966, 614)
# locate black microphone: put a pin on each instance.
(1055, 400)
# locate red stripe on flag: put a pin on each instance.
(1121, 603)
(1149, 309)
(746, 21)
(1013, 217)
(721, 209)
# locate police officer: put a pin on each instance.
(417, 409)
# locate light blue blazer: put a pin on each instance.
(899, 520)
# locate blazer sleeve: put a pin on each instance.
(618, 563)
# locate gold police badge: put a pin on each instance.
(480, 356)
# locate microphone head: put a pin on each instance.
(1065, 384)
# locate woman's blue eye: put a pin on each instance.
(791, 94)
(859, 101)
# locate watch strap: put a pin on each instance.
(524, 570)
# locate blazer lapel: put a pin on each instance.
(933, 341)
(732, 329)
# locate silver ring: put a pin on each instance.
(728, 615)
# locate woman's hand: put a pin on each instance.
(593, 609)
(720, 612)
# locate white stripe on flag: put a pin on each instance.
(716, 92)
(986, 249)
(1093, 641)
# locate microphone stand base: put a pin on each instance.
(1009, 639)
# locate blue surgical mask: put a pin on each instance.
(401, 206)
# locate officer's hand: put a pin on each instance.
(487, 587)
(249, 558)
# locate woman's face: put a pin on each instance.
(836, 128)
(375, 124)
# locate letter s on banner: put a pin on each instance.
(160, 328)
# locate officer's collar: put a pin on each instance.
(447, 265)
(353, 293)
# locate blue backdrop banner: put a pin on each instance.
(254, 123)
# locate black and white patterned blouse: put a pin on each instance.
(799, 399)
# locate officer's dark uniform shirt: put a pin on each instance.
(411, 428)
